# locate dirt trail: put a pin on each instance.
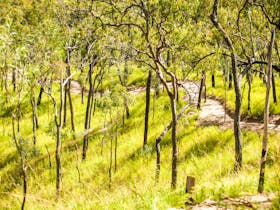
(260, 201)
(212, 111)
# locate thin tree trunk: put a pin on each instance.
(274, 89)
(58, 140)
(213, 80)
(111, 153)
(116, 147)
(238, 99)
(58, 162)
(249, 80)
(34, 120)
(266, 114)
(65, 106)
(14, 79)
(19, 146)
(174, 144)
(202, 81)
(71, 107)
(148, 90)
(88, 111)
(126, 107)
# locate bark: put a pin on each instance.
(126, 107)
(249, 80)
(34, 120)
(40, 96)
(202, 84)
(41, 92)
(67, 93)
(148, 89)
(266, 114)
(14, 79)
(174, 144)
(213, 80)
(23, 168)
(160, 137)
(88, 109)
(58, 162)
(71, 107)
(274, 89)
(238, 101)
(90, 101)
(59, 124)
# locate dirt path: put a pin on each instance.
(212, 111)
(260, 201)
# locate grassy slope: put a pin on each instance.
(206, 153)
(257, 95)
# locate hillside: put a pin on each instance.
(139, 104)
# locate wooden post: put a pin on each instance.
(190, 184)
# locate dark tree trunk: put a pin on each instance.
(148, 89)
(213, 80)
(14, 79)
(90, 101)
(126, 108)
(266, 114)
(40, 96)
(88, 109)
(202, 84)
(249, 80)
(274, 89)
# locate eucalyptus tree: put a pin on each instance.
(155, 26)
(236, 79)
(92, 53)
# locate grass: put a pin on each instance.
(257, 95)
(204, 152)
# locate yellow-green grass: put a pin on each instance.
(206, 153)
(257, 95)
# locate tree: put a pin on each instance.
(236, 79)
(266, 113)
